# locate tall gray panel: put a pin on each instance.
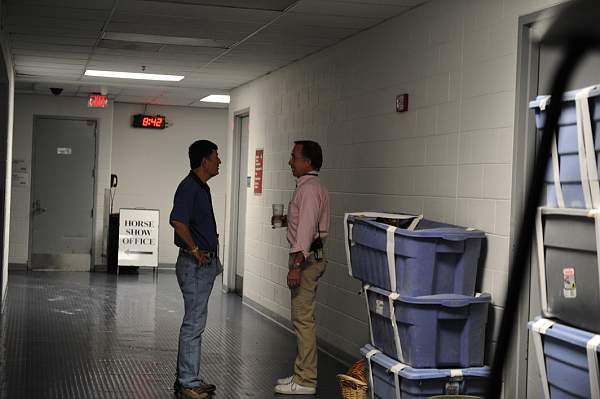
(62, 194)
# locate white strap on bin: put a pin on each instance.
(391, 256)
(584, 122)
(414, 223)
(593, 369)
(560, 200)
(369, 355)
(544, 103)
(581, 105)
(540, 327)
(365, 288)
(396, 369)
(456, 373)
(595, 213)
(539, 235)
(347, 240)
(392, 297)
(348, 230)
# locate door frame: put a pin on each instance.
(94, 184)
(235, 220)
(524, 154)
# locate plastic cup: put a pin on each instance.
(277, 215)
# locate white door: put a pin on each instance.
(62, 200)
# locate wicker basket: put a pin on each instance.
(354, 383)
(358, 371)
(352, 388)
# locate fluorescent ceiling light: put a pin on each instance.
(159, 39)
(216, 98)
(133, 75)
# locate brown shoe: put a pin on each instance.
(193, 393)
(208, 387)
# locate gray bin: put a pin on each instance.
(568, 265)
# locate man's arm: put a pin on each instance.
(295, 272)
(184, 233)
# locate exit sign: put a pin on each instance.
(97, 101)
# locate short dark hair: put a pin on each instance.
(200, 150)
(311, 151)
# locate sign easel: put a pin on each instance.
(138, 238)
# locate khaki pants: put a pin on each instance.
(303, 319)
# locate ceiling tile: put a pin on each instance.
(53, 40)
(151, 9)
(272, 5)
(75, 4)
(48, 72)
(351, 9)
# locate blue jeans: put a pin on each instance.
(196, 283)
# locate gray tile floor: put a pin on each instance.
(91, 335)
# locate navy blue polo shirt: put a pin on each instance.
(192, 206)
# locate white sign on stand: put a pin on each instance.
(138, 237)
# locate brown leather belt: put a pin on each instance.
(209, 254)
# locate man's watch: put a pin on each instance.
(194, 249)
(296, 265)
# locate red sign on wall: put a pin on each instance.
(258, 171)
(97, 101)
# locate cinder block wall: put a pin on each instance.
(449, 157)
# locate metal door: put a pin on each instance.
(62, 201)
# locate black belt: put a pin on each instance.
(209, 254)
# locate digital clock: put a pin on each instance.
(149, 121)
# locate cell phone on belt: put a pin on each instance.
(317, 248)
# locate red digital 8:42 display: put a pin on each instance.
(149, 121)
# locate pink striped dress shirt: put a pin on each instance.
(308, 214)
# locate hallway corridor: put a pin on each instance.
(96, 336)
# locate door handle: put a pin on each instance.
(37, 208)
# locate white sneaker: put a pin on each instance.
(285, 381)
(295, 389)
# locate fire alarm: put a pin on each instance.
(402, 102)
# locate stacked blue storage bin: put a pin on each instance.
(568, 359)
(572, 175)
(568, 233)
(443, 330)
(431, 258)
(389, 378)
(424, 319)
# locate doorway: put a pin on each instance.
(536, 65)
(62, 194)
(240, 182)
(6, 111)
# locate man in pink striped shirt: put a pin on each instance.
(307, 225)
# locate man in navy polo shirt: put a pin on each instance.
(197, 265)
